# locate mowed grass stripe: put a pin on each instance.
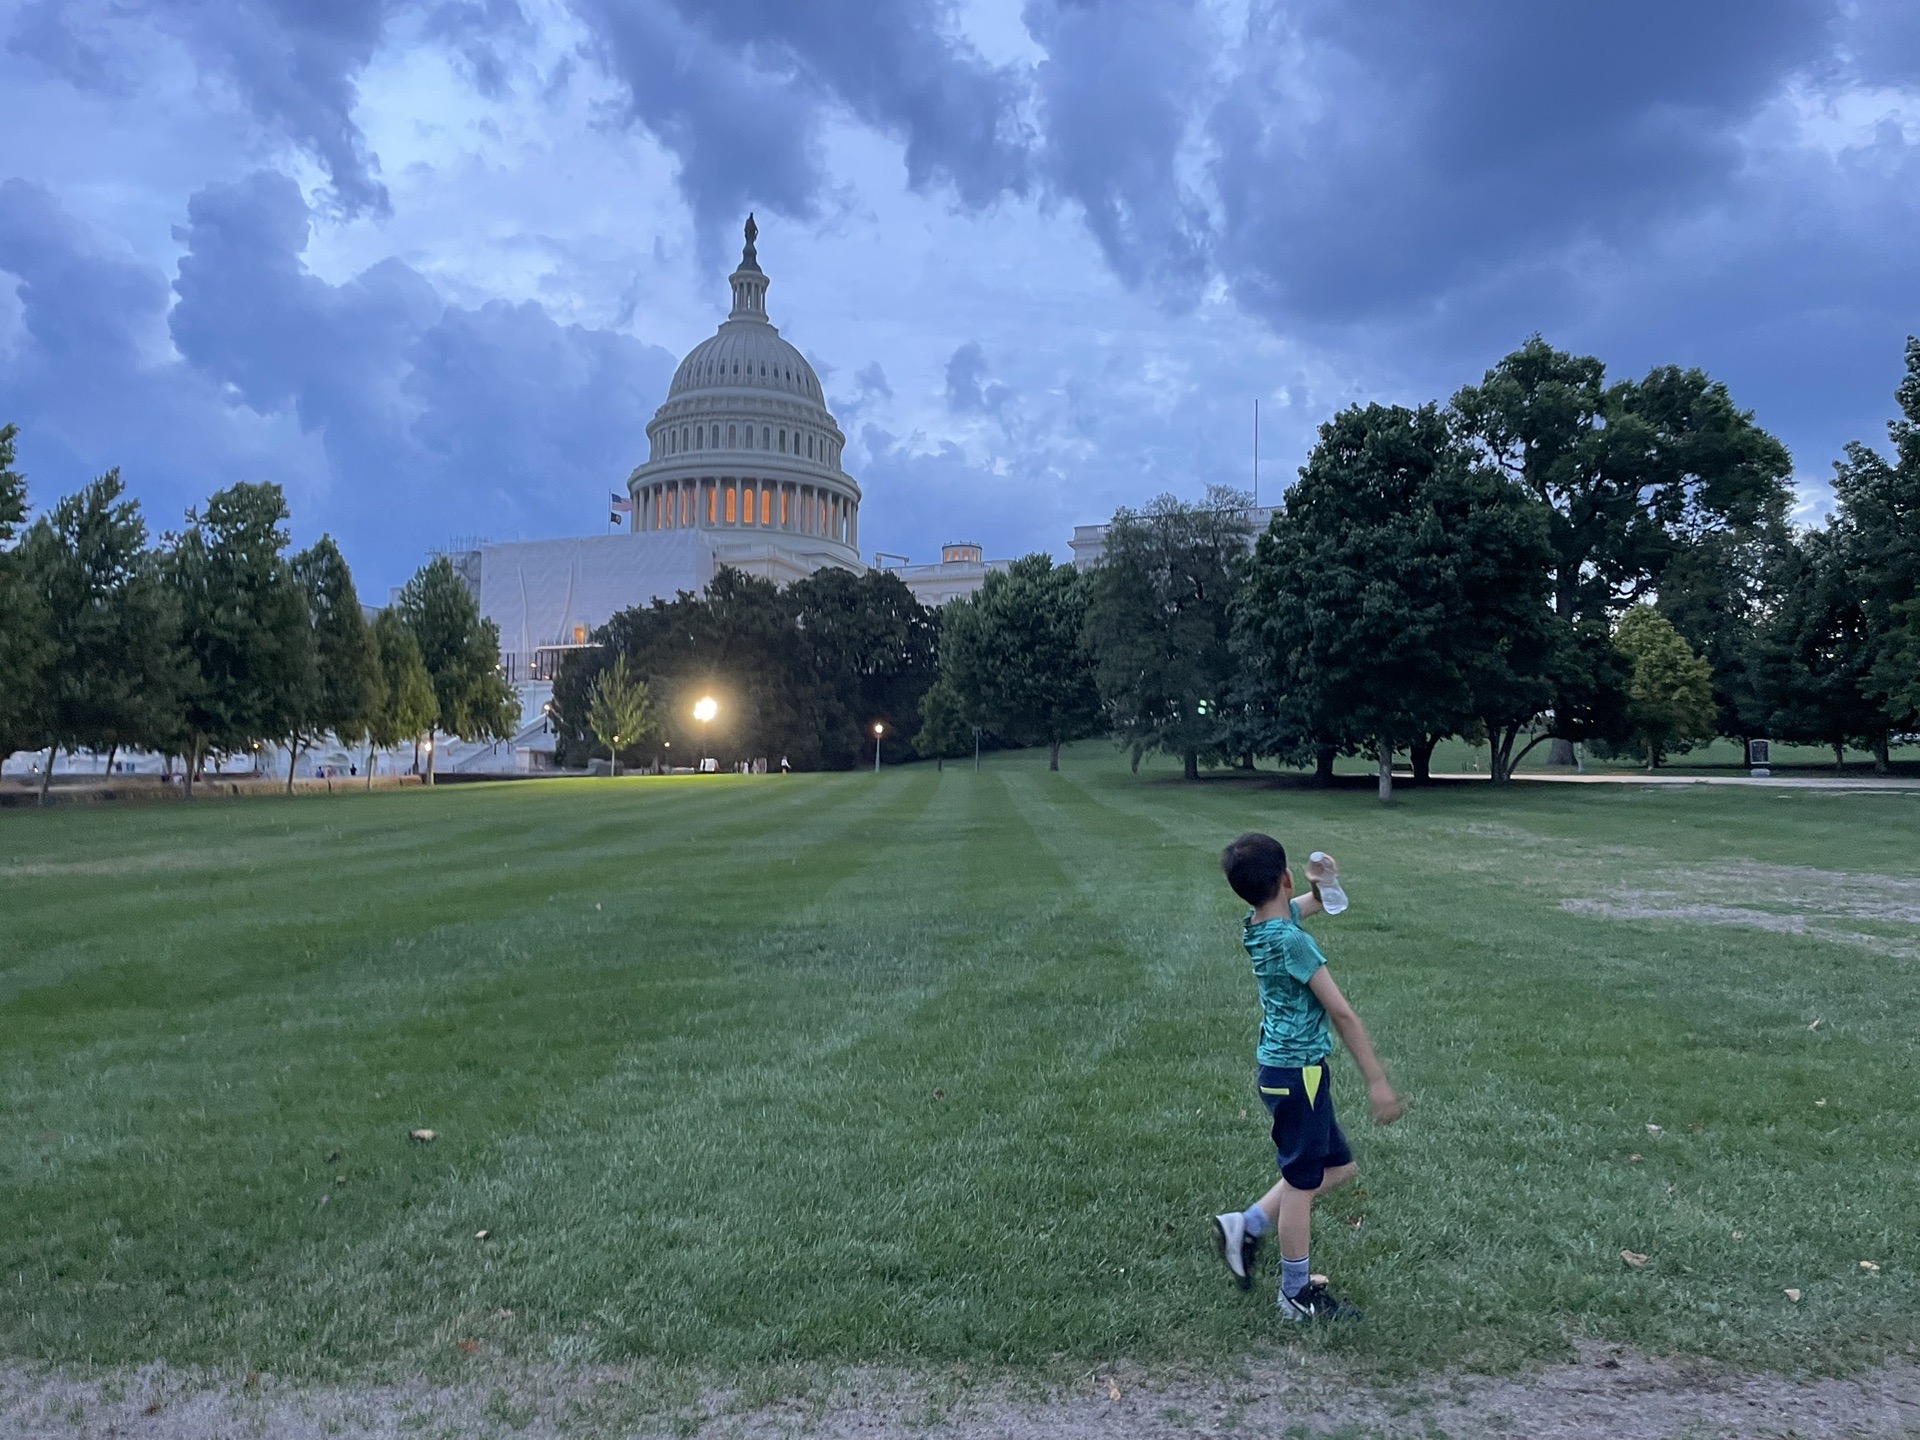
(701, 1122)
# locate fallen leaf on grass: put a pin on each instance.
(1870, 1267)
(153, 1409)
(469, 1347)
(1815, 1025)
(1821, 1103)
(253, 1380)
(1739, 1234)
(939, 1094)
(1633, 1258)
(1793, 1295)
(503, 1314)
(339, 1179)
(1357, 1221)
(1633, 1159)
(325, 1198)
(1113, 1389)
(1652, 1129)
(481, 1234)
(421, 1137)
(1243, 1114)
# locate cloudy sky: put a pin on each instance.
(429, 263)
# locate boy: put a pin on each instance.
(1297, 1000)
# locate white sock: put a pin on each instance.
(1293, 1276)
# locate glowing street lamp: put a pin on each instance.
(704, 709)
(877, 729)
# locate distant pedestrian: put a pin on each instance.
(1297, 999)
(785, 768)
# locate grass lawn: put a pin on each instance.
(943, 1068)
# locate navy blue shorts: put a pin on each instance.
(1306, 1137)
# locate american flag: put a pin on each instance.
(620, 505)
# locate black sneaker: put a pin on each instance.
(1236, 1247)
(1313, 1302)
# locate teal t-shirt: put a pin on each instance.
(1293, 1024)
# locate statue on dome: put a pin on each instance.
(748, 259)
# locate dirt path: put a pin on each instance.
(1606, 1393)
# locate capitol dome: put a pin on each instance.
(745, 447)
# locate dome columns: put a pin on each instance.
(730, 502)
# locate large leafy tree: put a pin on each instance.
(404, 706)
(1401, 594)
(244, 625)
(1637, 476)
(1670, 695)
(874, 647)
(25, 649)
(1809, 661)
(1160, 623)
(461, 650)
(1015, 654)
(113, 677)
(801, 673)
(343, 686)
(1877, 528)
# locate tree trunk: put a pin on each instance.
(1561, 752)
(192, 763)
(416, 754)
(112, 750)
(1500, 740)
(1385, 750)
(46, 777)
(1190, 765)
(1053, 756)
(1246, 760)
(1423, 759)
(370, 759)
(293, 762)
(1882, 760)
(1323, 765)
(1839, 757)
(1136, 760)
(433, 753)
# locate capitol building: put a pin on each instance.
(743, 469)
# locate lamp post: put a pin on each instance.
(877, 729)
(704, 709)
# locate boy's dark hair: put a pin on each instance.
(1254, 864)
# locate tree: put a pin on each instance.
(1401, 594)
(113, 675)
(244, 625)
(1877, 529)
(946, 731)
(342, 688)
(1015, 655)
(1670, 697)
(461, 650)
(1810, 661)
(404, 705)
(874, 648)
(25, 650)
(1160, 623)
(621, 710)
(1633, 473)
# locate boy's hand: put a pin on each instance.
(1385, 1104)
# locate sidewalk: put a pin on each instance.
(1776, 782)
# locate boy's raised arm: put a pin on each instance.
(1381, 1098)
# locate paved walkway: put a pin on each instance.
(1641, 777)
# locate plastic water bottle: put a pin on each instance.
(1323, 872)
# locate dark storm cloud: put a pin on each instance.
(969, 391)
(1117, 92)
(739, 90)
(421, 415)
(294, 64)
